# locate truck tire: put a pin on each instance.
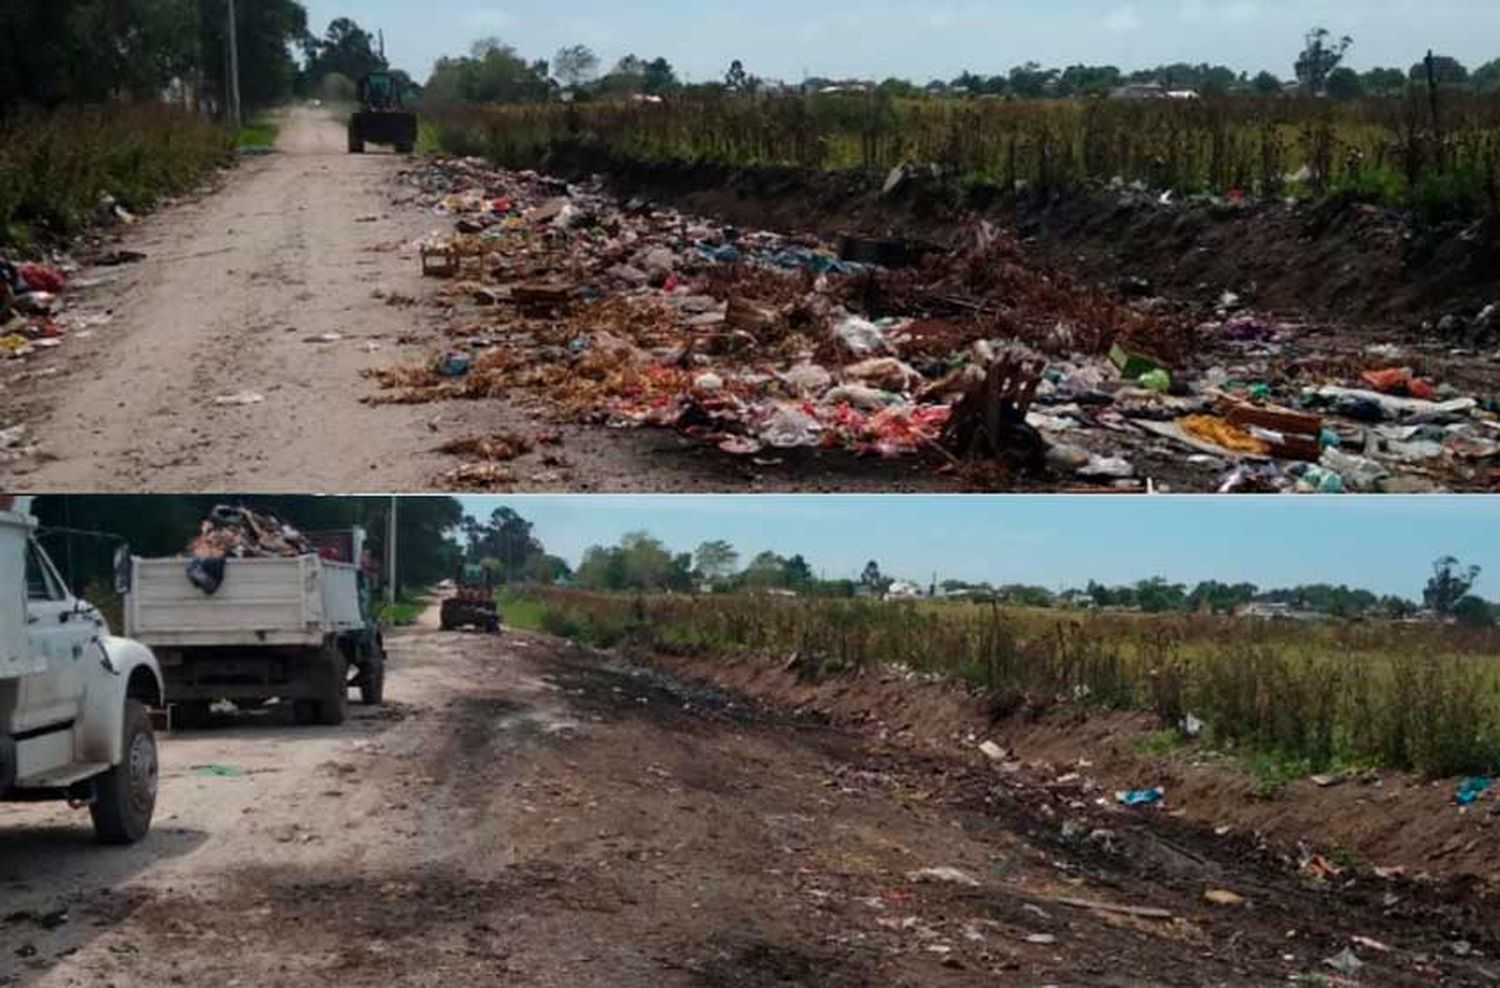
(333, 699)
(356, 142)
(125, 796)
(404, 148)
(372, 678)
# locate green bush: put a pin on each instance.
(55, 167)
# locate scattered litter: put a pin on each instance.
(217, 769)
(1223, 897)
(1470, 789)
(993, 751)
(240, 398)
(944, 874)
(1143, 912)
(629, 315)
(1345, 962)
(454, 363)
(1140, 797)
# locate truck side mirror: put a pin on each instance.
(122, 570)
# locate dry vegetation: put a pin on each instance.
(1440, 156)
(1420, 697)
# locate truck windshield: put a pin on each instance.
(39, 584)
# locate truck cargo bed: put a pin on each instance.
(273, 601)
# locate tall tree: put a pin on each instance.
(735, 78)
(574, 65)
(265, 31)
(1345, 84)
(1486, 78)
(1446, 71)
(1320, 56)
(346, 49)
(1266, 84)
(1450, 582)
(716, 559)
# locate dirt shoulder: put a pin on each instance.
(532, 812)
(1391, 821)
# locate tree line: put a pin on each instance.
(496, 72)
(640, 562)
(163, 525)
(56, 52)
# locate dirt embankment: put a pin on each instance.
(1380, 820)
(527, 812)
(1339, 260)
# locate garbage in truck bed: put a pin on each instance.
(239, 532)
(630, 315)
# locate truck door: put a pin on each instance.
(60, 632)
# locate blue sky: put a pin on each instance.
(921, 40)
(1385, 544)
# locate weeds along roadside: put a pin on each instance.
(55, 166)
(1424, 698)
(1439, 157)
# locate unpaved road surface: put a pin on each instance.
(240, 290)
(526, 812)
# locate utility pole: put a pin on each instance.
(390, 555)
(233, 69)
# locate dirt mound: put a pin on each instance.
(1397, 823)
(1339, 259)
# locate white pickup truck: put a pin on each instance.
(292, 628)
(75, 701)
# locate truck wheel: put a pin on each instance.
(333, 703)
(493, 626)
(125, 796)
(356, 143)
(403, 149)
(372, 678)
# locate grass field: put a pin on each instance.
(408, 607)
(259, 132)
(1421, 697)
(55, 167)
(1442, 157)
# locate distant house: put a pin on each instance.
(903, 590)
(1182, 94)
(1075, 598)
(1277, 611)
(1139, 90)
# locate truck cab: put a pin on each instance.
(75, 700)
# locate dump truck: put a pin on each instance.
(472, 603)
(76, 701)
(296, 629)
(382, 117)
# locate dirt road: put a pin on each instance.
(242, 291)
(529, 813)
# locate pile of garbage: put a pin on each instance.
(627, 314)
(238, 532)
(29, 296)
